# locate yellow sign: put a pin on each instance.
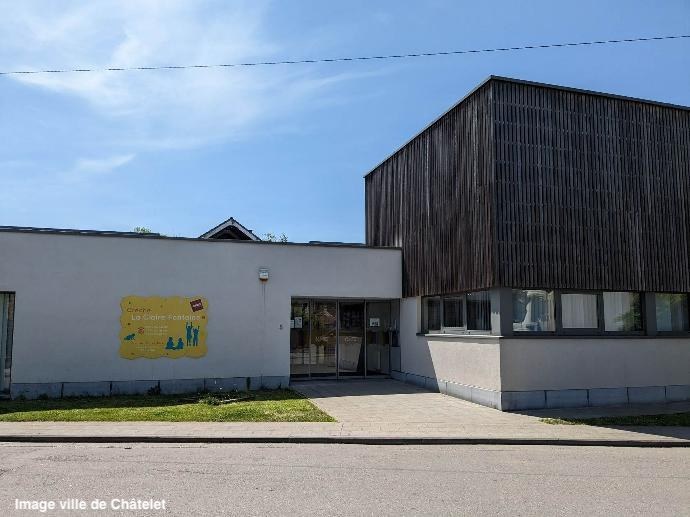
(155, 327)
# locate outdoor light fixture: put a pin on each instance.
(263, 274)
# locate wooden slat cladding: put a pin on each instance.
(527, 185)
(591, 191)
(433, 199)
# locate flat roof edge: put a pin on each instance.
(500, 78)
(150, 236)
(584, 91)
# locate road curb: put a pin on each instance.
(356, 440)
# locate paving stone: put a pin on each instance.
(385, 408)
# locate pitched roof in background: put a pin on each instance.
(230, 230)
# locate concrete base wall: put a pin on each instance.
(549, 399)
(596, 397)
(166, 386)
(474, 394)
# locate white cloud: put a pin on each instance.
(89, 167)
(154, 109)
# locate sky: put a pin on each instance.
(282, 149)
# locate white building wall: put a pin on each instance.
(575, 372)
(69, 287)
(573, 363)
(521, 373)
(467, 367)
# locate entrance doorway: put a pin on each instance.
(341, 338)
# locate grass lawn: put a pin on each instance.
(675, 419)
(255, 406)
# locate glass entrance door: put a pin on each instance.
(351, 339)
(300, 351)
(379, 332)
(341, 338)
(324, 338)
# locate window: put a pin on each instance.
(456, 313)
(622, 312)
(671, 312)
(6, 330)
(533, 311)
(579, 311)
(431, 314)
(453, 311)
(478, 311)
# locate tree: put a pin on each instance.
(142, 229)
(272, 237)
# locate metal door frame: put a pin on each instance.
(337, 376)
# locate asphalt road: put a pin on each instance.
(348, 479)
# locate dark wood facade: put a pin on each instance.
(530, 185)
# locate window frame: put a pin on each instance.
(641, 332)
(584, 331)
(601, 328)
(477, 331)
(7, 341)
(556, 314)
(455, 330)
(671, 333)
(425, 318)
(559, 331)
(452, 330)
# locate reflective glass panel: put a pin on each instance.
(351, 346)
(622, 312)
(300, 356)
(379, 329)
(431, 314)
(533, 311)
(324, 331)
(671, 312)
(6, 331)
(478, 311)
(453, 311)
(579, 311)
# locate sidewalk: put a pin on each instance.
(376, 412)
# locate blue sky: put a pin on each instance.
(282, 149)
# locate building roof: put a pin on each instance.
(158, 236)
(72, 231)
(230, 229)
(528, 83)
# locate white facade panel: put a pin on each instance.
(69, 287)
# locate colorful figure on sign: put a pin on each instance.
(180, 344)
(188, 327)
(170, 345)
(130, 337)
(196, 335)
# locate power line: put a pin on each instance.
(343, 59)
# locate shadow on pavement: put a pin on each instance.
(667, 419)
(354, 388)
